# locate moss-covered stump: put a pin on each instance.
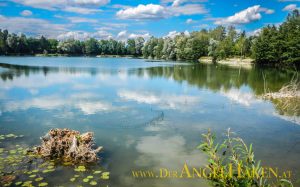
(68, 145)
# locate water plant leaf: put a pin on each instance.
(85, 180)
(105, 175)
(90, 177)
(32, 176)
(39, 179)
(97, 172)
(93, 183)
(72, 179)
(43, 184)
(18, 183)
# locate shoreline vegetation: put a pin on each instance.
(232, 162)
(273, 45)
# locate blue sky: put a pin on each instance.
(122, 19)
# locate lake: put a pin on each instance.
(147, 115)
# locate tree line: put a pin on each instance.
(273, 45)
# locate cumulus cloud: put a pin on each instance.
(81, 20)
(80, 35)
(189, 21)
(81, 10)
(173, 34)
(124, 35)
(245, 16)
(149, 11)
(290, 7)
(66, 5)
(32, 26)
(26, 13)
(255, 32)
(153, 11)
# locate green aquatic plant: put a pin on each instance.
(43, 184)
(232, 163)
(93, 183)
(105, 175)
(80, 168)
(97, 172)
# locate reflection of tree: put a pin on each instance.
(13, 71)
(212, 77)
(221, 77)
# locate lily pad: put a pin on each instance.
(86, 180)
(18, 183)
(43, 184)
(97, 172)
(105, 175)
(39, 179)
(90, 177)
(72, 179)
(32, 176)
(93, 183)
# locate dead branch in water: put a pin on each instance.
(68, 145)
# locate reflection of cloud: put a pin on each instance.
(246, 98)
(293, 119)
(168, 152)
(93, 107)
(56, 102)
(168, 101)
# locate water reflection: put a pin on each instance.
(147, 115)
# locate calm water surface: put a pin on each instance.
(146, 115)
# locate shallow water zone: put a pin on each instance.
(147, 115)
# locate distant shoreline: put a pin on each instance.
(235, 62)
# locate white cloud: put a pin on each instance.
(290, 7)
(26, 13)
(81, 10)
(32, 26)
(149, 11)
(245, 16)
(66, 5)
(153, 11)
(173, 34)
(124, 35)
(255, 32)
(82, 20)
(80, 35)
(289, 0)
(189, 21)
(92, 2)
(188, 9)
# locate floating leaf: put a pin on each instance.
(90, 177)
(72, 179)
(80, 168)
(35, 171)
(18, 183)
(32, 176)
(93, 183)
(76, 176)
(50, 167)
(12, 152)
(105, 175)
(97, 172)
(43, 184)
(39, 179)
(86, 180)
